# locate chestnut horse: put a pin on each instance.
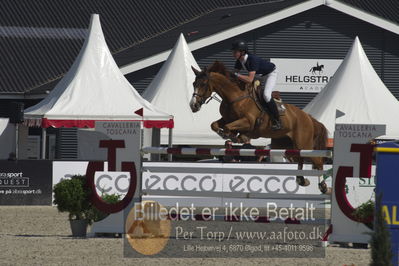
(240, 113)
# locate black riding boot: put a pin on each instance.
(275, 116)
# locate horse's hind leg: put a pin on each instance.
(318, 164)
(302, 142)
(301, 180)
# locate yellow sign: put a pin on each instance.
(390, 217)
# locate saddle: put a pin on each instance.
(256, 92)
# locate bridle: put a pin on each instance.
(203, 99)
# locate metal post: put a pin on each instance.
(16, 140)
(170, 139)
(43, 143)
(155, 141)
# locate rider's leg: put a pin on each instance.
(276, 124)
(270, 83)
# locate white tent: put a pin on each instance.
(3, 125)
(94, 89)
(358, 92)
(7, 138)
(171, 90)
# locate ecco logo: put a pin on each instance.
(171, 182)
(106, 186)
(104, 182)
(254, 184)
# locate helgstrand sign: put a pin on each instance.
(304, 75)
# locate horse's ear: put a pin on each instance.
(196, 72)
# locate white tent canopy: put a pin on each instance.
(3, 125)
(93, 89)
(172, 89)
(358, 92)
(7, 138)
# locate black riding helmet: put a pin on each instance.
(239, 45)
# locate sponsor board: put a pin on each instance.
(25, 182)
(304, 75)
(358, 190)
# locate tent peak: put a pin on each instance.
(356, 90)
(94, 89)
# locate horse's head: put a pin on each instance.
(202, 89)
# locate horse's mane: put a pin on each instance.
(219, 67)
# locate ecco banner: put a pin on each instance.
(358, 190)
(304, 75)
(26, 182)
(106, 182)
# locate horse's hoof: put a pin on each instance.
(235, 140)
(225, 136)
(303, 182)
(324, 188)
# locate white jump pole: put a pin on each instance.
(241, 152)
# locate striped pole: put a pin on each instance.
(237, 152)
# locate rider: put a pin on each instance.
(260, 67)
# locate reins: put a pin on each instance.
(206, 101)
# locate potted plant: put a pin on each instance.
(71, 195)
(95, 215)
(364, 212)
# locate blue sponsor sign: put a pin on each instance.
(388, 187)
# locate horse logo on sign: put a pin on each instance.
(317, 68)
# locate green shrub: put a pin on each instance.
(381, 252)
(365, 210)
(71, 195)
(96, 215)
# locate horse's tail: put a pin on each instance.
(320, 135)
(311, 69)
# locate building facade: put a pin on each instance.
(319, 33)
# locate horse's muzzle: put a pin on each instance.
(195, 105)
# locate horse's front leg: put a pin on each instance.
(217, 126)
(241, 126)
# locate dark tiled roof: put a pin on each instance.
(40, 39)
(387, 9)
(206, 25)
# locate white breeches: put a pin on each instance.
(269, 81)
